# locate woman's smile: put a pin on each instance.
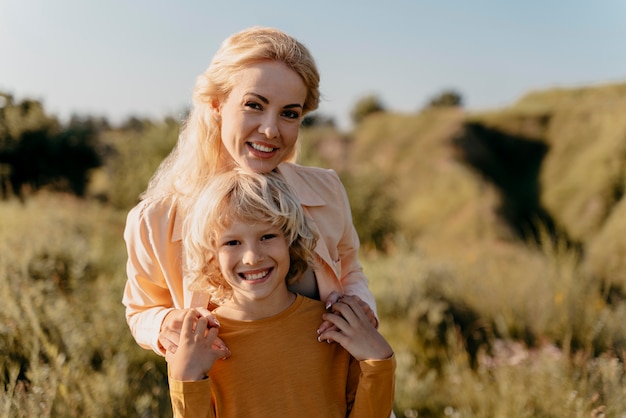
(261, 150)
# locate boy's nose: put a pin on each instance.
(251, 256)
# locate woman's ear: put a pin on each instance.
(216, 109)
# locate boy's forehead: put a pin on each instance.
(249, 219)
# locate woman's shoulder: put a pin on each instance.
(152, 212)
(296, 174)
(306, 170)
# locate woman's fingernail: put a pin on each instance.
(328, 305)
(319, 339)
(217, 322)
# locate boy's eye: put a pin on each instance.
(231, 243)
(268, 236)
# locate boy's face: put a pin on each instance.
(254, 259)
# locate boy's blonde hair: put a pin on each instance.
(194, 159)
(243, 196)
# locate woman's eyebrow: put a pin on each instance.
(266, 101)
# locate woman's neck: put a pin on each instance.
(251, 310)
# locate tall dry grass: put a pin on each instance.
(516, 334)
(65, 345)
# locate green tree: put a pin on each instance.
(365, 107)
(447, 98)
(373, 207)
(314, 120)
(136, 153)
(37, 151)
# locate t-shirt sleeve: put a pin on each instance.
(375, 387)
(191, 399)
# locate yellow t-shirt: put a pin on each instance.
(279, 369)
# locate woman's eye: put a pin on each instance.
(291, 114)
(254, 105)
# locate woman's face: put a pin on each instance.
(261, 117)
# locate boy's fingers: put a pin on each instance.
(201, 325)
(219, 344)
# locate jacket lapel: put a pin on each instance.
(309, 199)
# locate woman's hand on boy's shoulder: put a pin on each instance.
(353, 329)
(334, 298)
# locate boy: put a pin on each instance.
(246, 239)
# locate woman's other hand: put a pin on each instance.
(196, 352)
(169, 336)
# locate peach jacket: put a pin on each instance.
(156, 283)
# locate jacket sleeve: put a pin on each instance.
(147, 296)
(371, 387)
(353, 280)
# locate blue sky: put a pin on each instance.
(118, 58)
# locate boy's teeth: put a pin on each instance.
(255, 276)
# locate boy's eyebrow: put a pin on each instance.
(266, 101)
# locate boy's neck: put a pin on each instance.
(251, 310)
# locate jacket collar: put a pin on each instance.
(303, 191)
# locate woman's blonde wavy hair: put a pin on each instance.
(242, 196)
(193, 161)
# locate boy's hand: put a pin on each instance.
(169, 335)
(197, 350)
(354, 331)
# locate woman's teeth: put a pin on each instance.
(261, 148)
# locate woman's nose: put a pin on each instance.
(270, 128)
(271, 132)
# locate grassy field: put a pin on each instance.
(494, 244)
(545, 339)
(66, 349)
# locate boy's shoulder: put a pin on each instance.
(307, 307)
(313, 304)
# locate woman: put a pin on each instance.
(247, 109)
